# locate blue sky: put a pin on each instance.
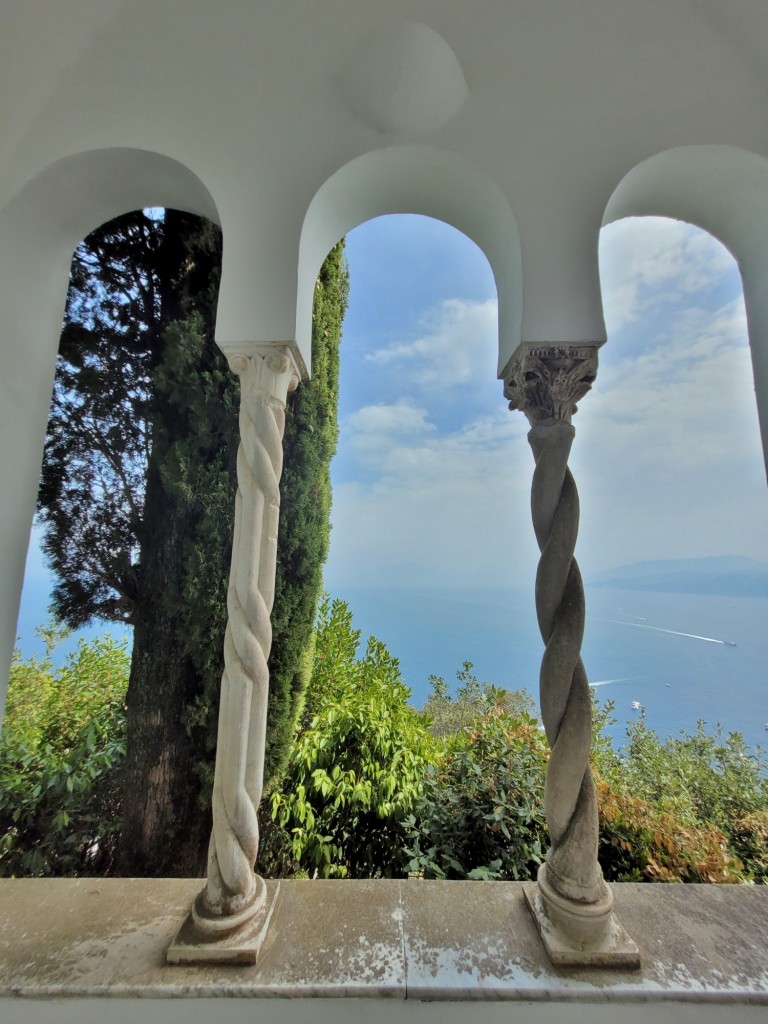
(431, 482)
(432, 476)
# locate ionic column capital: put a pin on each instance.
(546, 381)
(271, 369)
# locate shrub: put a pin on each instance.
(63, 737)
(358, 759)
(480, 814)
(641, 843)
(701, 791)
(450, 715)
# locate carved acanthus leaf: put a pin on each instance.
(546, 381)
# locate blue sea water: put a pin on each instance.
(627, 650)
(678, 679)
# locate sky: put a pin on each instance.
(431, 482)
(432, 476)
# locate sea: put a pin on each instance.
(665, 651)
(684, 658)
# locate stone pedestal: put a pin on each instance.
(232, 939)
(587, 935)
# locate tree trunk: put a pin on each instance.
(166, 824)
(164, 829)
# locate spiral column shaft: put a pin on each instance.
(233, 891)
(570, 803)
(573, 904)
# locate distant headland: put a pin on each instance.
(725, 576)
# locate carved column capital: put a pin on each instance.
(267, 371)
(546, 381)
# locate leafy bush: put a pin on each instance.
(480, 814)
(639, 842)
(452, 714)
(701, 792)
(63, 736)
(358, 759)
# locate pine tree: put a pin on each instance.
(137, 504)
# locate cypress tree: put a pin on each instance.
(311, 436)
(137, 502)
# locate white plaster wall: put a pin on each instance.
(254, 98)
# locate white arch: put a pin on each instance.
(723, 190)
(422, 180)
(39, 230)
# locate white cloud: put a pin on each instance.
(647, 262)
(668, 452)
(382, 419)
(457, 345)
(440, 510)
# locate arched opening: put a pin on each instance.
(431, 198)
(670, 466)
(134, 515)
(723, 190)
(416, 180)
(430, 470)
(144, 297)
(39, 230)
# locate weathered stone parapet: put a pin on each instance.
(234, 896)
(572, 904)
(385, 951)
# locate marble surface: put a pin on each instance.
(416, 940)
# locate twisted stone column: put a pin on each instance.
(573, 904)
(234, 893)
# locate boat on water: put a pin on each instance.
(729, 643)
(636, 705)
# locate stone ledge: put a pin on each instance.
(402, 940)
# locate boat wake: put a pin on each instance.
(640, 618)
(673, 632)
(605, 682)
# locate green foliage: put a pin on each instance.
(480, 814)
(183, 540)
(195, 445)
(640, 842)
(137, 504)
(358, 760)
(91, 495)
(311, 435)
(63, 735)
(452, 714)
(702, 792)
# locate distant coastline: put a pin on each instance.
(727, 576)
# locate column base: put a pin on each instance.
(579, 935)
(218, 939)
